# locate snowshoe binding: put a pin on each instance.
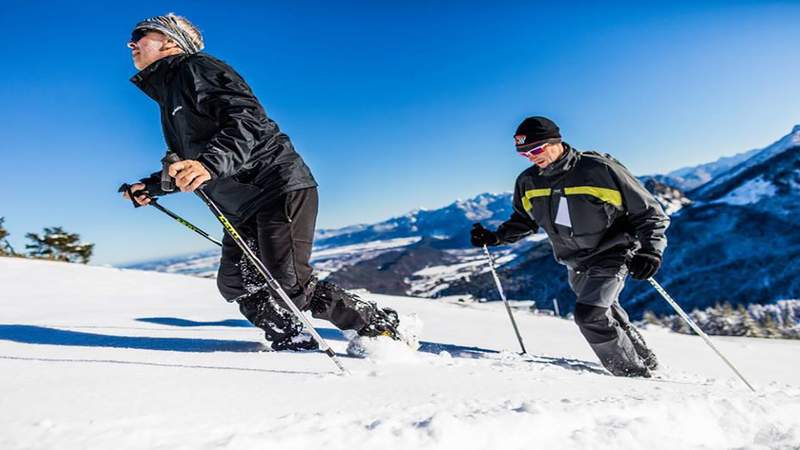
(384, 322)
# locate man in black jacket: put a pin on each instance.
(602, 224)
(249, 168)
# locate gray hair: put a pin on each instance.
(177, 28)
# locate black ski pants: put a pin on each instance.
(282, 233)
(603, 321)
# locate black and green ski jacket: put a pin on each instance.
(591, 208)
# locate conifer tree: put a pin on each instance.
(59, 245)
(5, 246)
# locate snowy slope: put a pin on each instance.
(99, 358)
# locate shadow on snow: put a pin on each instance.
(178, 322)
(459, 351)
(326, 333)
(30, 334)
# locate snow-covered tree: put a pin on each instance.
(650, 318)
(59, 245)
(778, 320)
(749, 324)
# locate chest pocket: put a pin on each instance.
(592, 210)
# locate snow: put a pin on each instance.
(749, 193)
(331, 233)
(331, 259)
(98, 358)
(365, 247)
(431, 280)
(477, 208)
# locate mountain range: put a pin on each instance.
(732, 239)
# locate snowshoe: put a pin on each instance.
(384, 322)
(302, 342)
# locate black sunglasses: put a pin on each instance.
(139, 33)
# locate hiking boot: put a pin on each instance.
(644, 352)
(301, 342)
(643, 372)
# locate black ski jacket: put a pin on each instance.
(209, 114)
(591, 208)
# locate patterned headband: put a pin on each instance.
(169, 26)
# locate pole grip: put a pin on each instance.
(127, 189)
(167, 183)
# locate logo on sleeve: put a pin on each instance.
(176, 110)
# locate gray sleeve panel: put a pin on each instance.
(644, 212)
(519, 225)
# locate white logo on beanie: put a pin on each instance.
(520, 139)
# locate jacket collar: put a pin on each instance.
(152, 80)
(563, 164)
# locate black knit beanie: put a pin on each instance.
(534, 131)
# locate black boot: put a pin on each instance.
(280, 326)
(349, 312)
(644, 352)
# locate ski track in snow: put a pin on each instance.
(106, 358)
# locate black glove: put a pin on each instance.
(644, 265)
(481, 236)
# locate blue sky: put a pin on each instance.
(394, 106)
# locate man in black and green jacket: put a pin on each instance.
(212, 120)
(602, 224)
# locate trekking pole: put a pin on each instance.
(127, 188)
(503, 296)
(270, 279)
(696, 329)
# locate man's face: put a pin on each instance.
(148, 47)
(548, 154)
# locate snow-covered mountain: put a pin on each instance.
(450, 222)
(739, 241)
(96, 358)
(736, 176)
(688, 178)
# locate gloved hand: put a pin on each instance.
(481, 236)
(141, 196)
(644, 265)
